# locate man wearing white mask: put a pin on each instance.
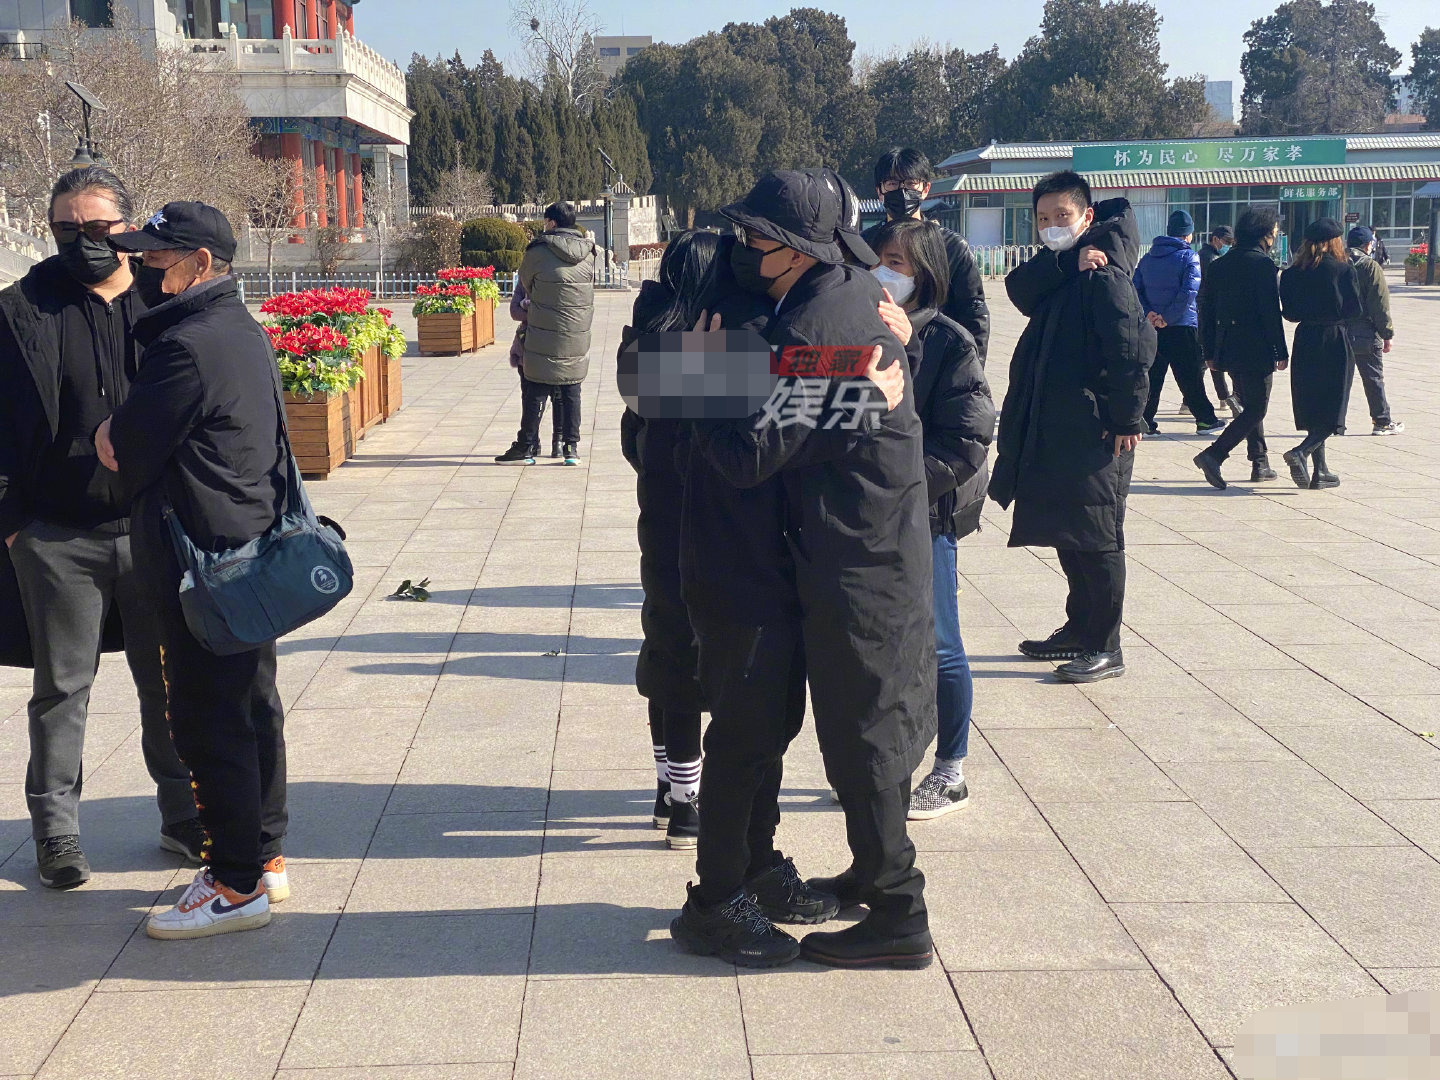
(1073, 414)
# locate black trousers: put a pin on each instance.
(534, 395)
(229, 729)
(555, 419)
(884, 859)
(1096, 603)
(753, 678)
(1221, 384)
(676, 730)
(1178, 349)
(1253, 390)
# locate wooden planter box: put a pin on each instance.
(446, 334)
(1415, 275)
(484, 317)
(389, 386)
(322, 431)
(370, 394)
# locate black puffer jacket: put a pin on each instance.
(957, 415)
(1079, 377)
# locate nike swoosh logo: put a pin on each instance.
(219, 907)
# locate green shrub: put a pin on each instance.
(534, 228)
(504, 261)
(493, 234)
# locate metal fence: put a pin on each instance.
(996, 262)
(257, 285)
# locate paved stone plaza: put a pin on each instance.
(1250, 817)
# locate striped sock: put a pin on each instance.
(684, 780)
(662, 767)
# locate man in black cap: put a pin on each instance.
(202, 435)
(856, 529)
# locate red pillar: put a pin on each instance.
(292, 150)
(342, 191)
(312, 19)
(357, 191)
(330, 14)
(322, 190)
(349, 20)
(283, 12)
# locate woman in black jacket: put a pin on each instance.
(1318, 290)
(1241, 332)
(957, 416)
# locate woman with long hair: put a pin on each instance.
(957, 417)
(1318, 290)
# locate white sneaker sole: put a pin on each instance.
(682, 843)
(927, 815)
(221, 926)
(660, 822)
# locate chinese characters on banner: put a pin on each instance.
(1210, 154)
(1309, 192)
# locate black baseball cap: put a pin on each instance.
(186, 225)
(813, 211)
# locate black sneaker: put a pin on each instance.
(1152, 428)
(1061, 645)
(661, 819)
(845, 887)
(736, 931)
(517, 452)
(934, 797)
(862, 946)
(185, 838)
(683, 831)
(572, 454)
(1214, 427)
(1092, 666)
(787, 898)
(61, 862)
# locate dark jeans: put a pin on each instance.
(753, 678)
(555, 432)
(1095, 606)
(884, 859)
(1178, 348)
(678, 732)
(1254, 394)
(954, 687)
(229, 728)
(68, 580)
(1369, 350)
(534, 395)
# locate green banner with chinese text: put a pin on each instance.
(1211, 154)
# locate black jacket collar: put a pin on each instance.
(193, 300)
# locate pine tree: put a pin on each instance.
(1424, 77)
(537, 119)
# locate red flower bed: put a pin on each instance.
(327, 302)
(466, 273)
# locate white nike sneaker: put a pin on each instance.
(276, 880)
(208, 908)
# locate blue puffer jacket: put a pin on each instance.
(1168, 281)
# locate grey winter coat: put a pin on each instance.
(558, 274)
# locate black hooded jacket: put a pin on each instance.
(1079, 377)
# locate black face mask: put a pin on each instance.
(148, 280)
(902, 202)
(89, 261)
(745, 264)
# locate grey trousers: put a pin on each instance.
(68, 580)
(1369, 350)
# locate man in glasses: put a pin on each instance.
(67, 358)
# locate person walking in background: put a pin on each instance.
(558, 275)
(202, 437)
(957, 420)
(1074, 414)
(1319, 291)
(1242, 333)
(67, 357)
(1222, 238)
(519, 311)
(1372, 332)
(902, 181)
(1168, 281)
(1382, 253)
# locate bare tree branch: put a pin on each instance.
(558, 37)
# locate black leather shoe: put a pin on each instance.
(736, 931)
(1209, 464)
(1260, 470)
(1323, 477)
(555, 446)
(1299, 473)
(845, 888)
(1092, 667)
(1061, 645)
(785, 898)
(862, 946)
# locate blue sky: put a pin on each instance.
(1196, 36)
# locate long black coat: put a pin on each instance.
(1240, 326)
(957, 416)
(857, 530)
(1079, 377)
(1320, 299)
(665, 670)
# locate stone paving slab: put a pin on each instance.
(1251, 817)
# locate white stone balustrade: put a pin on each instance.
(345, 54)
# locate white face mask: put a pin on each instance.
(899, 285)
(1061, 237)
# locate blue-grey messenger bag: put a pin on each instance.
(238, 600)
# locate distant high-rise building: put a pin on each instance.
(615, 51)
(1404, 96)
(1220, 96)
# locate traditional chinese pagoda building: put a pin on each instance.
(1369, 179)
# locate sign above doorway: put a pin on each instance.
(1309, 192)
(1209, 154)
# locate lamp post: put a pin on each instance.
(605, 195)
(85, 153)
